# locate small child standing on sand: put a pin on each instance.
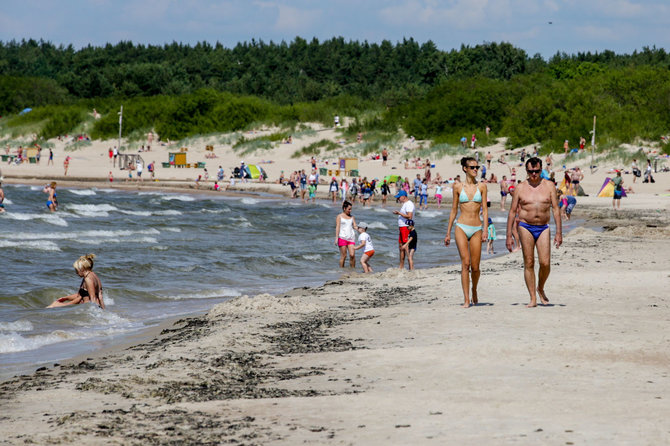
(366, 243)
(492, 237)
(411, 243)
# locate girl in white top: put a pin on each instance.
(366, 243)
(345, 235)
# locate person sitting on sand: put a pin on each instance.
(90, 289)
(468, 232)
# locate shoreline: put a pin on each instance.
(391, 358)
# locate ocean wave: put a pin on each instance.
(19, 325)
(14, 342)
(430, 214)
(138, 213)
(382, 210)
(91, 241)
(377, 225)
(92, 210)
(49, 218)
(249, 201)
(177, 197)
(311, 256)
(83, 192)
(100, 233)
(38, 245)
(168, 212)
(499, 220)
(171, 229)
(8, 201)
(205, 294)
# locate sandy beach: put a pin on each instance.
(388, 358)
(392, 358)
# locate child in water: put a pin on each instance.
(411, 243)
(366, 244)
(90, 289)
(492, 236)
(312, 192)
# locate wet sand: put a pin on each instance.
(392, 358)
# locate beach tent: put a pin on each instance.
(607, 189)
(392, 178)
(25, 110)
(253, 171)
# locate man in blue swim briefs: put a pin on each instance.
(535, 198)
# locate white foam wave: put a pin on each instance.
(138, 213)
(92, 210)
(38, 245)
(382, 210)
(14, 342)
(177, 197)
(499, 219)
(83, 192)
(8, 201)
(168, 212)
(92, 241)
(36, 188)
(430, 214)
(76, 235)
(377, 225)
(249, 201)
(19, 325)
(221, 292)
(171, 229)
(312, 256)
(49, 218)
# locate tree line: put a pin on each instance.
(185, 90)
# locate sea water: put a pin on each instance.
(162, 255)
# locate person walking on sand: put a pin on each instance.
(90, 289)
(535, 199)
(51, 158)
(504, 191)
(345, 225)
(116, 154)
(468, 232)
(405, 214)
(618, 190)
(333, 189)
(365, 244)
(66, 165)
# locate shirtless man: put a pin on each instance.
(535, 198)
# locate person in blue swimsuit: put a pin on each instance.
(468, 232)
(52, 201)
(534, 199)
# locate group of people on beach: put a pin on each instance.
(533, 203)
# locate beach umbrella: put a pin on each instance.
(391, 178)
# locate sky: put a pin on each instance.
(536, 26)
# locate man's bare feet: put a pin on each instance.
(543, 297)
